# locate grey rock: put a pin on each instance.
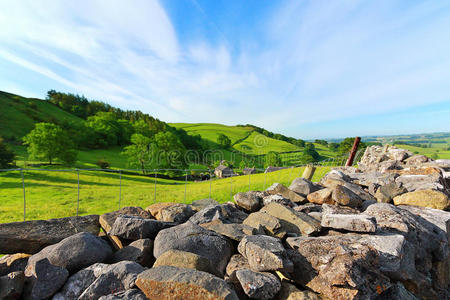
(416, 159)
(140, 251)
(192, 238)
(396, 291)
(292, 221)
(237, 262)
(308, 207)
(386, 193)
(135, 228)
(304, 187)
(316, 215)
(198, 205)
(258, 285)
(32, 236)
(264, 253)
(356, 223)
(43, 280)
(227, 213)
(114, 278)
(268, 223)
(278, 188)
(107, 220)
(74, 253)
(132, 294)
(11, 285)
(344, 196)
(13, 263)
(413, 182)
(278, 199)
(190, 284)
(177, 213)
(250, 201)
(290, 292)
(337, 209)
(233, 231)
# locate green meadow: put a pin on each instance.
(53, 194)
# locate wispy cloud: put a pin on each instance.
(307, 61)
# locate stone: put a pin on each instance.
(270, 224)
(171, 283)
(233, 231)
(292, 221)
(250, 201)
(258, 285)
(338, 209)
(11, 285)
(316, 215)
(132, 294)
(43, 279)
(308, 207)
(337, 267)
(424, 198)
(135, 228)
(386, 193)
(99, 280)
(264, 253)
(321, 196)
(396, 291)
(304, 187)
(227, 213)
(73, 253)
(344, 196)
(278, 188)
(188, 260)
(13, 263)
(356, 223)
(200, 204)
(278, 199)
(237, 262)
(32, 236)
(192, 238)
(412, 182)
(416, 159)
(290, 292)
(140, 251)
(113, 278)
(107, 220)
(171, 212)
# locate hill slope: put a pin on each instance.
(19, 114)
(243, 138)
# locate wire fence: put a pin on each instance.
(30, 193)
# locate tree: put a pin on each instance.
(346, 145)
(49, 142)
(223, 140)
(6, 156)
(273, 159)
(139, 152)
(310, 151)
(170, 151)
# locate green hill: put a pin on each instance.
(19, 114)
(243, 138)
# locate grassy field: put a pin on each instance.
(437, 151)
(51, 194)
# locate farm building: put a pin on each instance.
(223, 171)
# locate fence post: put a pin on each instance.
(78, 191)
(120, 186)
(265, 174)
(156, 175)
(210, 183)
(309, 172)
(351, 157)
(185, 185)
(24, 202)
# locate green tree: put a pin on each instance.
(273, 159)
(48, 141)
(346, 146)
(310, 150)
(169, 151)
(6, 156)
(223, 140)
(139, 153)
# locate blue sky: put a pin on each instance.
(308, 69)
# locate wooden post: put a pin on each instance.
(351, 157)
(308, 173)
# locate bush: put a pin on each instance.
(6, 156)
(102, 163)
